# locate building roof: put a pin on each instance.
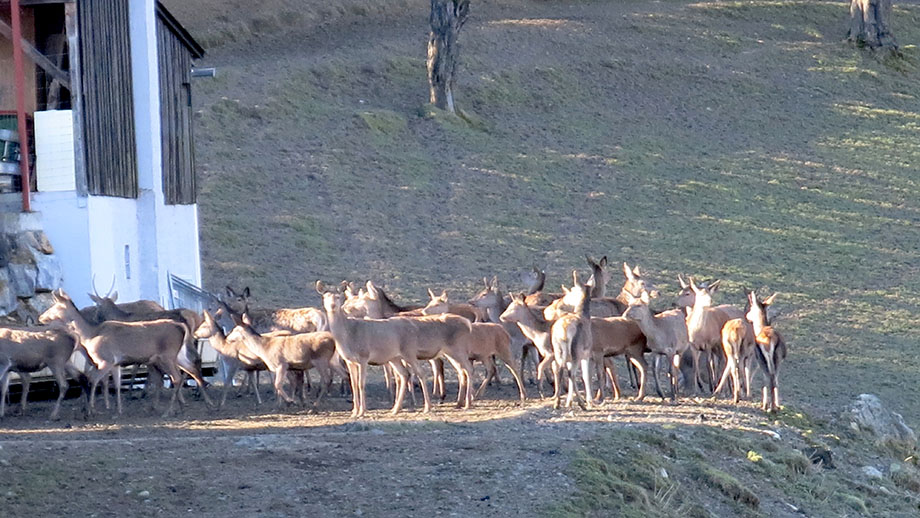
(179, 31)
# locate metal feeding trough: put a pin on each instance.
(10, 179)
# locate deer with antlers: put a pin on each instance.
(112, 344)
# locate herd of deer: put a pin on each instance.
(559, 332)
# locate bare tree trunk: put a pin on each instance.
(869, 24)
(447, 18)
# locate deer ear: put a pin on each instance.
(714, 285)
(628, 272)
(495, 282)
(245, 319)
(769, 300)
(636, 271)
(485, 281)
(114, 296)
(320, 287)
(693, 285)
(431, 294)
(230, 292)
(93, 298)
(246, 292)
(683, 283)
(444, 295)
(591, 261)
(603, 262)
(565, 290)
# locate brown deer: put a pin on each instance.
(234, 355)
(297, 352)
(618, 336)
(113, 344)
(189, 359)
(770, 348)
(738, 347)
(294, 320)
(30, 350)
(535, 328)
(441, 304)
(665, 334)
(572, 340)
(704, 329)
(492, 301)
(373, 342)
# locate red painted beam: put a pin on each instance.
(19, 77)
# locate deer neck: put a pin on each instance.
(696, 317)
(82, 327)
(759, 325)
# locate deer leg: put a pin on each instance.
(325, 380)
(4, 388)
(437, 378)
(675, 374)
(638, 362)
(413, 366)
(401, 377)
(586, 378)
(656, 368)
(62, 389)
(546, 362)
(386, 380)
(116, 377)
(26, 379)
(557, 386)
(610, 373)
(281, 394)
(505, 354)
(362, 383)
(726, 373)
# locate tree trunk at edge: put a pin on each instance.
(446, 20)
(869, 24)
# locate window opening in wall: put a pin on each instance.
(127, 261)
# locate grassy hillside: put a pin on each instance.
(731, 139)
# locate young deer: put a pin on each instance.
(492, 301)
(704, 328)
(572, 340)
(234, 355)
(770, 349)
(535, 328)
(25, 351)
(113, 344)
(297, 352)
(665, 334)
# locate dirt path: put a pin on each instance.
(498, 458)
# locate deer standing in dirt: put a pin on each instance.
(704, 329)
(296, 352)
(665, 334)
(572, 340)
(492, 301)
(234, 355)
(189, 359)
(373, 342)
(29, 350)
(113, 344)
(770, 348)
(536, 328)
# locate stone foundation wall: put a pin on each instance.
(29, 271)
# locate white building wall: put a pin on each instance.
(138, 241)
(116, 244)
(65, 219)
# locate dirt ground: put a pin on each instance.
(499, 458)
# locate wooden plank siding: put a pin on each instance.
(108, 102)
(175, 63)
